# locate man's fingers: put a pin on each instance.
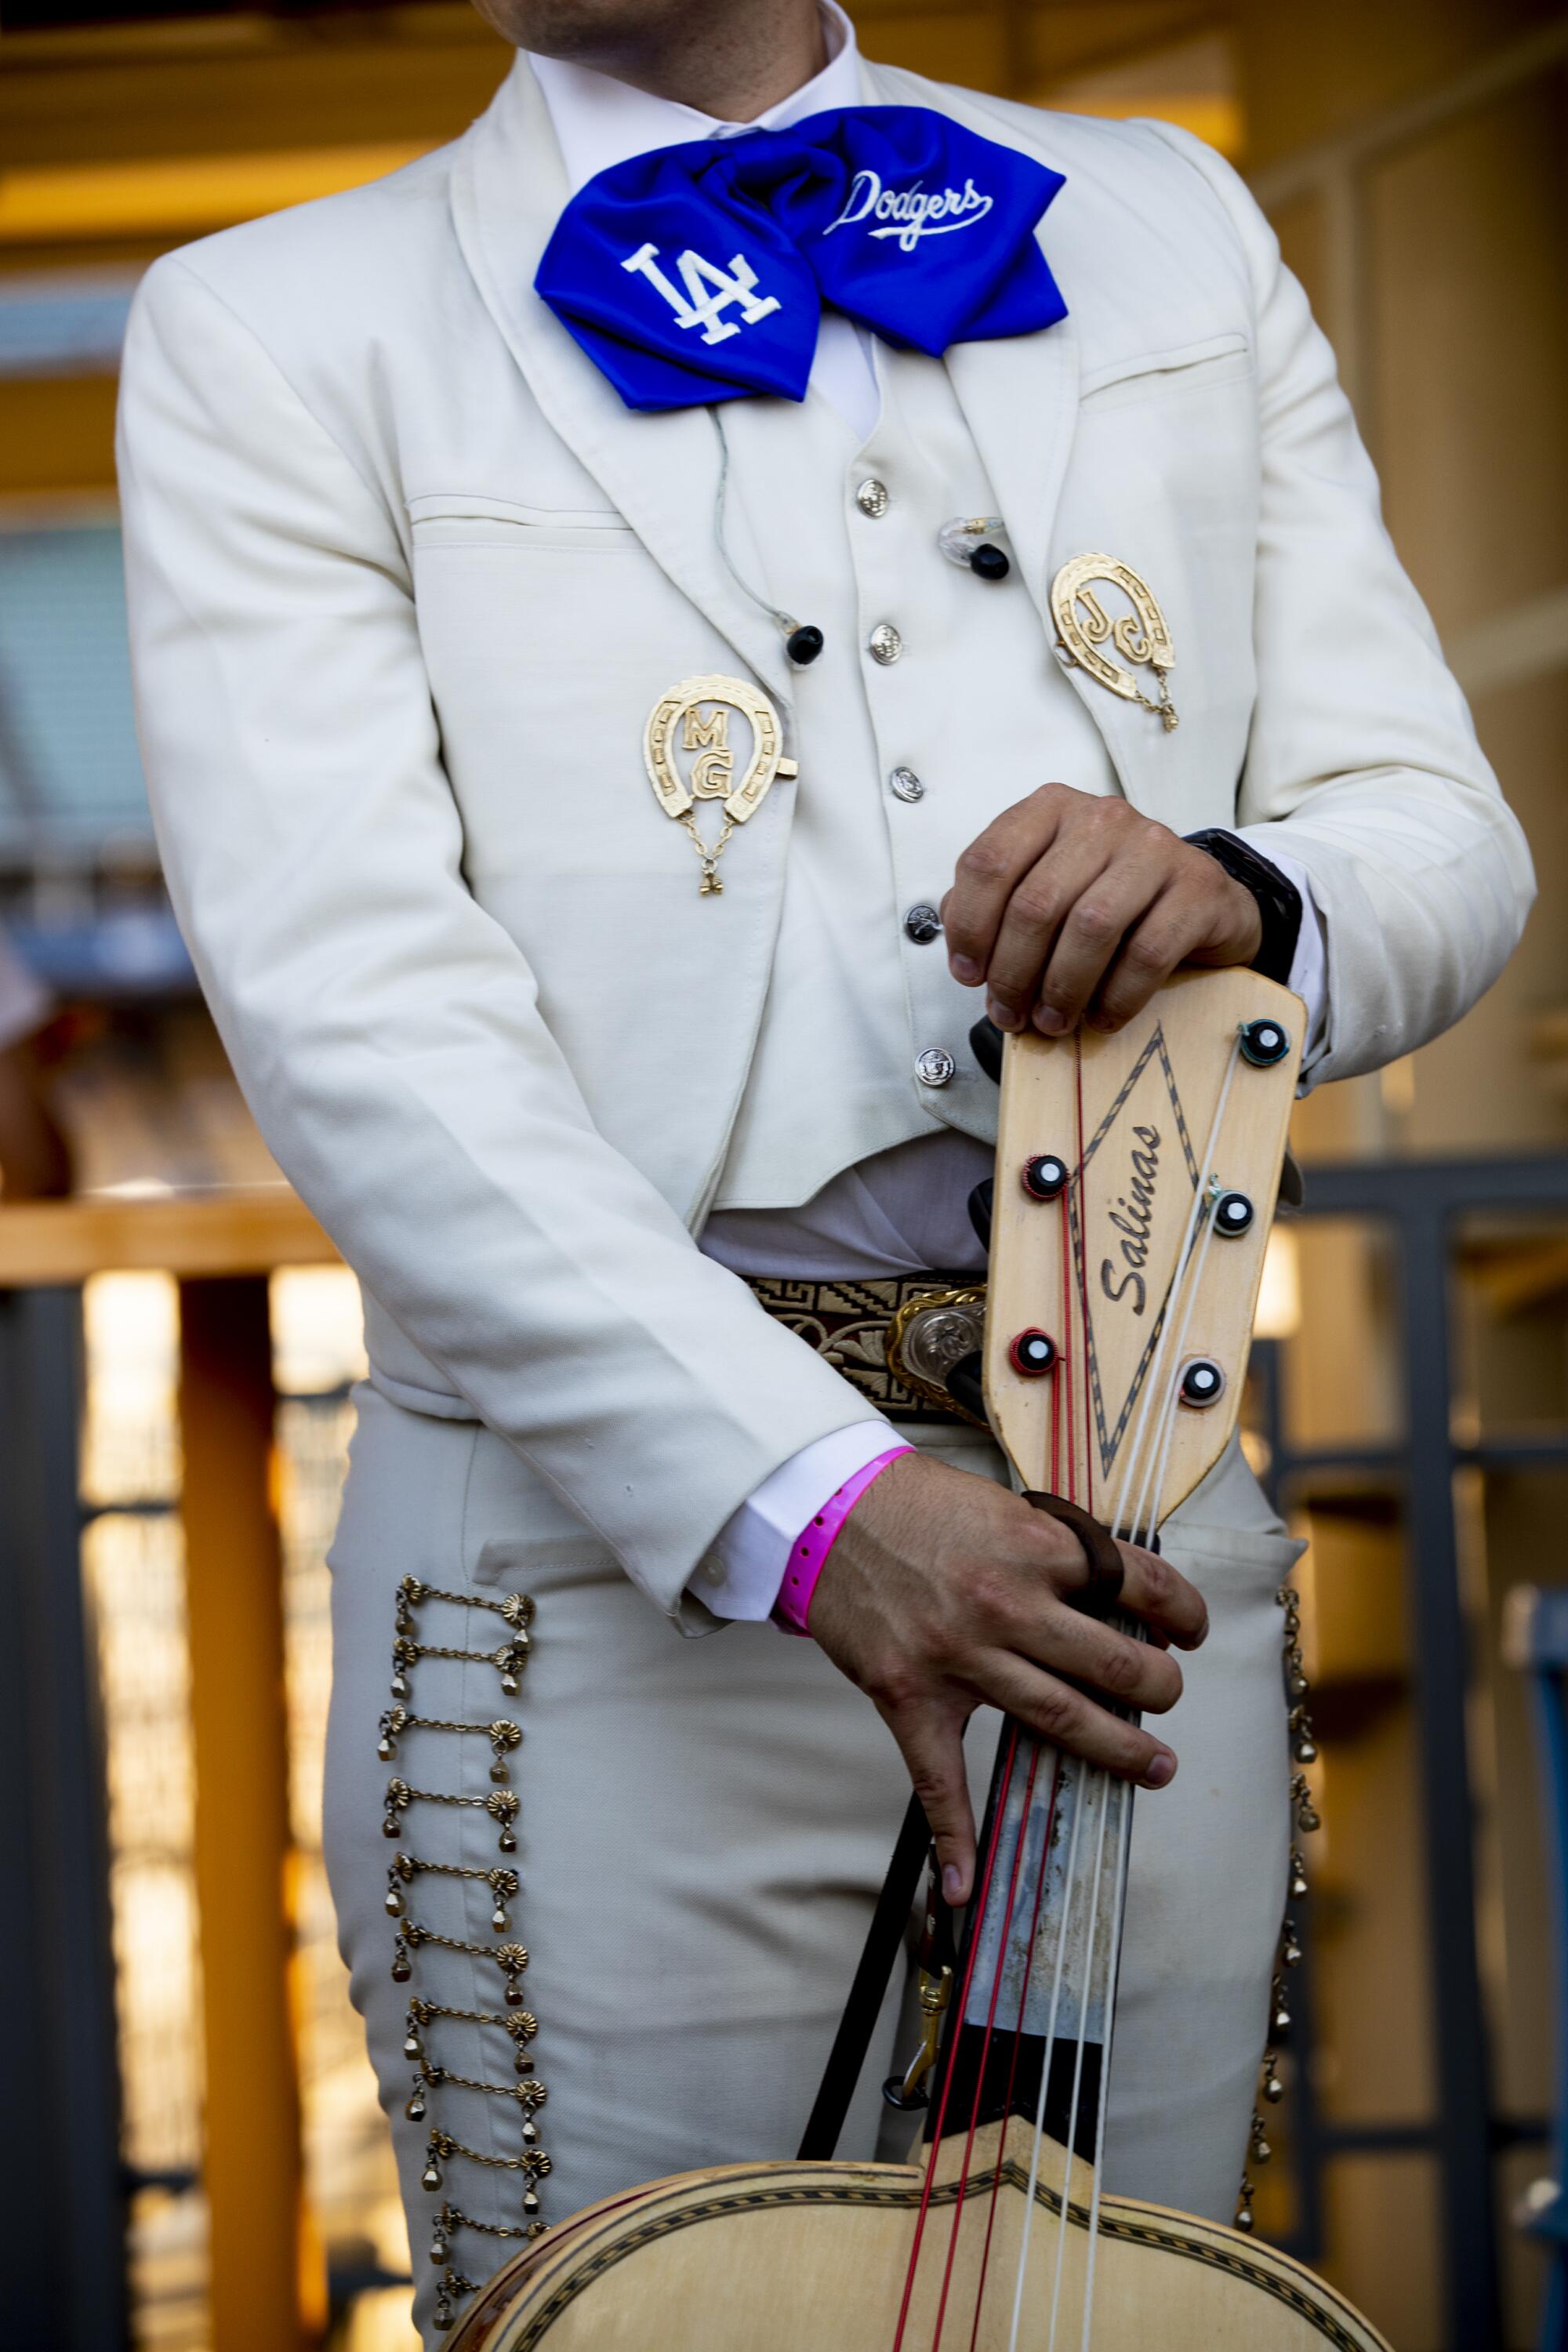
(988, 872)
(931, 1740)
(1047, 901)
(1152, 1589)
(1095, 937)
(1069, 1719)
(1175, 923)
(1135, 1674)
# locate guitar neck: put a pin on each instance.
(1041, 1947)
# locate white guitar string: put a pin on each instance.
(1149, 1500)
(1151, 1384)
(1077, 2061)
(1068, 1887)
(1156, 1459)
(1124, 1842)
(1188, 1262)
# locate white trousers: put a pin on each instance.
(703, 1828)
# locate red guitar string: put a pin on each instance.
(947, 2085)
(986, 2042)
(1083, 1280)
(929, 2182)
(1063, 1399)
(1039, 1883)
(1017, 2042)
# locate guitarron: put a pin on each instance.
(1000, 2238)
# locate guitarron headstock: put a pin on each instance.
(1136, 1182)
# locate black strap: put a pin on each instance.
(863, 2007)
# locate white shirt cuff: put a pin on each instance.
(741, 1576)
(1309, 964)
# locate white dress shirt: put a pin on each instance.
(904, 1210)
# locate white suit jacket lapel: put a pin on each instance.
(661, 471)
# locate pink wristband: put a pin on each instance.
(810, 1549)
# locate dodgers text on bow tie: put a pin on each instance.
(661, 261)
(909, 213)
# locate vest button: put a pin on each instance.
(905, 785)
(884, 644)
(923, 924)
(871, 498)
(935, 1067)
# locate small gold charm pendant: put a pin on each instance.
(700, 709)
(1141, 636)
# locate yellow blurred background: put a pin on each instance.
(203, 2167)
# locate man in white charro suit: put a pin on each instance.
(414, 552)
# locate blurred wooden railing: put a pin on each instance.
(63, 2285)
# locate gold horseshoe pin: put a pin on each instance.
(701, 708)
(1140, 636)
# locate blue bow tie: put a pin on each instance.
(699, 272)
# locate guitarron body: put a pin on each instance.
(1136, 1180)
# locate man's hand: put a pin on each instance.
(1072, 907)
(944, 1590)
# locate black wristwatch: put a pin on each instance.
(1279, 901)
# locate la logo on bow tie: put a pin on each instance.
(859, 208)
(710, 290)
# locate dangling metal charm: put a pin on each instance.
(700, 709)
(1140, 636)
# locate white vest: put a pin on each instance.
(855, 1000)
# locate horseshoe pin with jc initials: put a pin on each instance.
(701, 708)
(1140, 636)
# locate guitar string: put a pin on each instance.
(1060, 1390)
(1157, 1457)
(990, 2023)
(1119, 1899)
(1082, 1254)
(1187, 1286)
(1061, 1396)
(1075, 1786)
(1083, 2010)
(1040, 1877)
(1148, 1501)
(1093, 1779)
(1068, 1888)
(1114, 1797)
(1152, 1384)
(930, 2181)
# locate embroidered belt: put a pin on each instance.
(894, 1337)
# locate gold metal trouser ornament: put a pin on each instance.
(701, 708)
(1140, 636)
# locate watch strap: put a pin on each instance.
(1277, 900)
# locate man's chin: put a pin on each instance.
(587, 32)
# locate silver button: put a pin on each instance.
(884, 643)
(905, 785)
(871, 498)
(935, 1067)
(923, 925)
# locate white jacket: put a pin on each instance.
(454, 950)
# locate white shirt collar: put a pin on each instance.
(599, 120)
